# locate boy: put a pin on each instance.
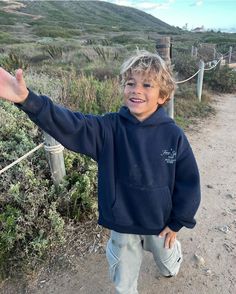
(148, 180)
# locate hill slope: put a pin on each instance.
(76, 18)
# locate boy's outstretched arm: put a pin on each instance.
(13, 88)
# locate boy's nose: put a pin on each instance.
(137, 88)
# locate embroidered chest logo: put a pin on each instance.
(169, 156)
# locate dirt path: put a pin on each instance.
(209, 250)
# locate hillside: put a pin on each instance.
(73, 18)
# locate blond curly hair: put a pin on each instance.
(149, 63)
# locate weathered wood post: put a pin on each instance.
(163, 48)
(54, 152)
(200, 80)
(192, 51)
(195, 52)
(214, 53)
(230, 53)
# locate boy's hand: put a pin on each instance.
(170, 237)
(13, 88)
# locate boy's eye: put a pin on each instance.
(129, 84)
(147, 85)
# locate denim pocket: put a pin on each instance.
(173, 262)
(113, 261)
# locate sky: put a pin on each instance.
(212, 14)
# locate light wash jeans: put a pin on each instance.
(124, 255)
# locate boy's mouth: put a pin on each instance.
(136, 100)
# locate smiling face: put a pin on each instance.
(142, 95)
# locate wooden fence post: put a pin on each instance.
(192, 51)
(214, 53)
(230, 53)
(200, 80)
(54, 152)
(163, 48)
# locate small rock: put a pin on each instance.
(209, 186)
(230, 196)
(229, 248)
(199, 259)
(225, 229)
(208, 272)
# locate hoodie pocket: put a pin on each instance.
(140, 206)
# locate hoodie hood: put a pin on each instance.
(158, 117)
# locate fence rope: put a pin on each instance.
(21, 158)
(54, 149)
(180, 82)
(206, 69)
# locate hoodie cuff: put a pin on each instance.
(175, 226)
(32, 104)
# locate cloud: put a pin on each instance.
(197, 3)
(143, 5)
(121, 2)
(150, 5)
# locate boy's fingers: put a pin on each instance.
(19, 74)
(167, 241)
(172, 241)
(163, 233)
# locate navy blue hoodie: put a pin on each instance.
(147, 174)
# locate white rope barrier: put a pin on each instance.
(206, 69)
(54, 149)
(21, 158)
(180, 82)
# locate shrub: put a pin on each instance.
(54, 51)
(184, 65)
(187, 106)
(6, 38)
(33, 212)
(222, 79)
(52, 32)
(13, 62)
(90, 95)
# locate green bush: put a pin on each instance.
(52, 32)
(33, 212)
(221, 79)
(89, 95)
(187, 106)
(6, 38)
(13, 61)
(184, 65)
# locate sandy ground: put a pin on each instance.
(209, 250)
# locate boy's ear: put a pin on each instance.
(162, 100)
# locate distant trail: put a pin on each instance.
(14, 5)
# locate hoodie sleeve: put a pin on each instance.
(186, 195)
(74, 130)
